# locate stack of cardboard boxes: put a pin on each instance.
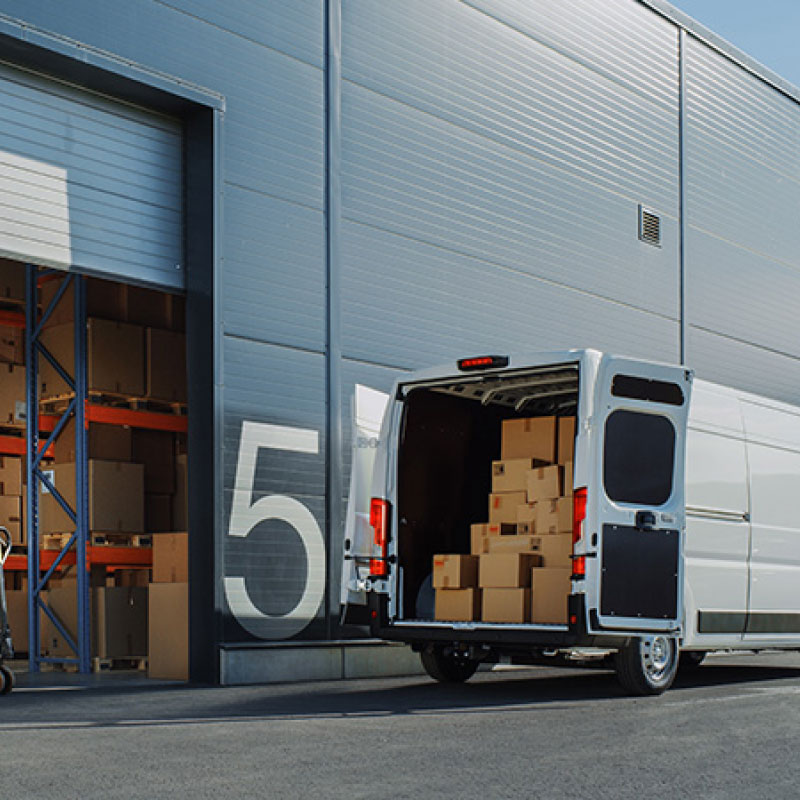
(12, 348)
(521, 560)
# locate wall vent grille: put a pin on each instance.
(649, 227)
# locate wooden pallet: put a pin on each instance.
(129, 663)
(57, 541)
(9, 428)
(58, 403)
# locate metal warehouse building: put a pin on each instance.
(348, 189)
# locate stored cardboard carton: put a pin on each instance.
(180, 500)
(157, 513)
(454, 571)
(544, 483)
(554, 516)
(17, 605)
(11, 475)
(511, 475)
(104, 299)
(150, 308)
(481, 530)
(156, 451)
(168, 631)
(526, 512)
(550, 587)
(105, 442)
(171, 558)
(555, 550)
(116, 498)
(510, 544)
(11, 516)
(12, 280)
(458, 605)
(531, 437)
(503, 506)
(506, 570)
(131, 577)
(506, 605)
(12, 345)
(13, 398)
(566, 439)
(165, 365)
(115, 358)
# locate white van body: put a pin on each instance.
(703, 554)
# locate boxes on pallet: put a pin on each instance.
(510, 475)
(165, 365)
(544, 483)
(156, 451)
(105, 443)
(481, 530)
(530, 437)
(13, 402)
(554, 516)
(550, 587)
(506, 570)
(116, 498)
(12, 280)
(510, 544)
(503, 506)
(12, 345)
(506, 605)
(455, 571)
(17, 604)
(171, 557)
(11, 516)
(554, 550)
(11, 475)
(458, 605)
(566, 439)
(115, 358)
(168, 631)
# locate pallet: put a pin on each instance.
(8, 428)
(57, 541)
(138, 663)
(58, 403)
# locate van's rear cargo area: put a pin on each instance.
(484, 504)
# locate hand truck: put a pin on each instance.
(6, 648)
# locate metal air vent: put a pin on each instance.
(649, 227)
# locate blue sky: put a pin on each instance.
(767, 30)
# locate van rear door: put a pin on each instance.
(636, 509)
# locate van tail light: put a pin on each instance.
(578, 517)
(379, 520)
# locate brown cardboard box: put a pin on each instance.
(165, 365)
(511, 475)
(116, 498)
(550, 587)
(506, 570)
(13, 398)
(510, 544)
(11, 475)
(458, 605)
(481, 530)
(526, 512)
(12, 280)
(115, 352)
(105, 443)
(180, 500)
(150, 308)
(168, 631)
(104, 299)
(12, 345)
(131, 577)
(555, 550)
(506, 605)
(157, 513)
(156, 451)
(566, 439)
(17, 604)
(545, 483)
(530, 437)
(554, 516)
(454, 571)
(11, 516)
(171, 558)
(503, 506)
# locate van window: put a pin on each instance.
(638, 458)
(647, 389)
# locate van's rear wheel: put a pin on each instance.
(647, 665)
(446, 667)
(6, 680)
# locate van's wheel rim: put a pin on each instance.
(656, 657)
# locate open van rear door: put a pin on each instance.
(637, 514)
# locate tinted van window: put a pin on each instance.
(639, 458)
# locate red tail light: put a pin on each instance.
(578, 516)
(379, 520)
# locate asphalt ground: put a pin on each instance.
(729, 729)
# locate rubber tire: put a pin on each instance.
(691, 659)
(6, 680)
(632, 673)
(446, 668)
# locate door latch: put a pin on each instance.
(645, 521)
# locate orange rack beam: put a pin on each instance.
(154, 420)
(12, 319)
(109, 556)
(13, 445)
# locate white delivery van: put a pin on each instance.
(685, 534)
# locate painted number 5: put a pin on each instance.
(245, 515)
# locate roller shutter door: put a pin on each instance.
(88, 183)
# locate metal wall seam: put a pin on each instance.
(682, 192)
(333, 149)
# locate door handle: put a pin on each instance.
(644, 521)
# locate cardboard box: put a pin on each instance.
(511, 475)
(544, 483)
(503, 506)
(165, 365)
(506, 570)
(510, 544)
(550, 587)
(566, 439)
(157, 513)
(153, 309)
(116, 498)
(13, 396)
(104, 299)
(180, 500)
(555, 551)
(506, 605)
(454, 571)
(11, 475)
(171, 558)
(12, 345)
(458, 605)
(131, 577)
(530, 437)
(105, 443)
(526, 513)
(481, 530)
(168, 631)
(156, 451)
(11, 516)
(554, 516)
(115, 352)
(17, 604)
(12, 280)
